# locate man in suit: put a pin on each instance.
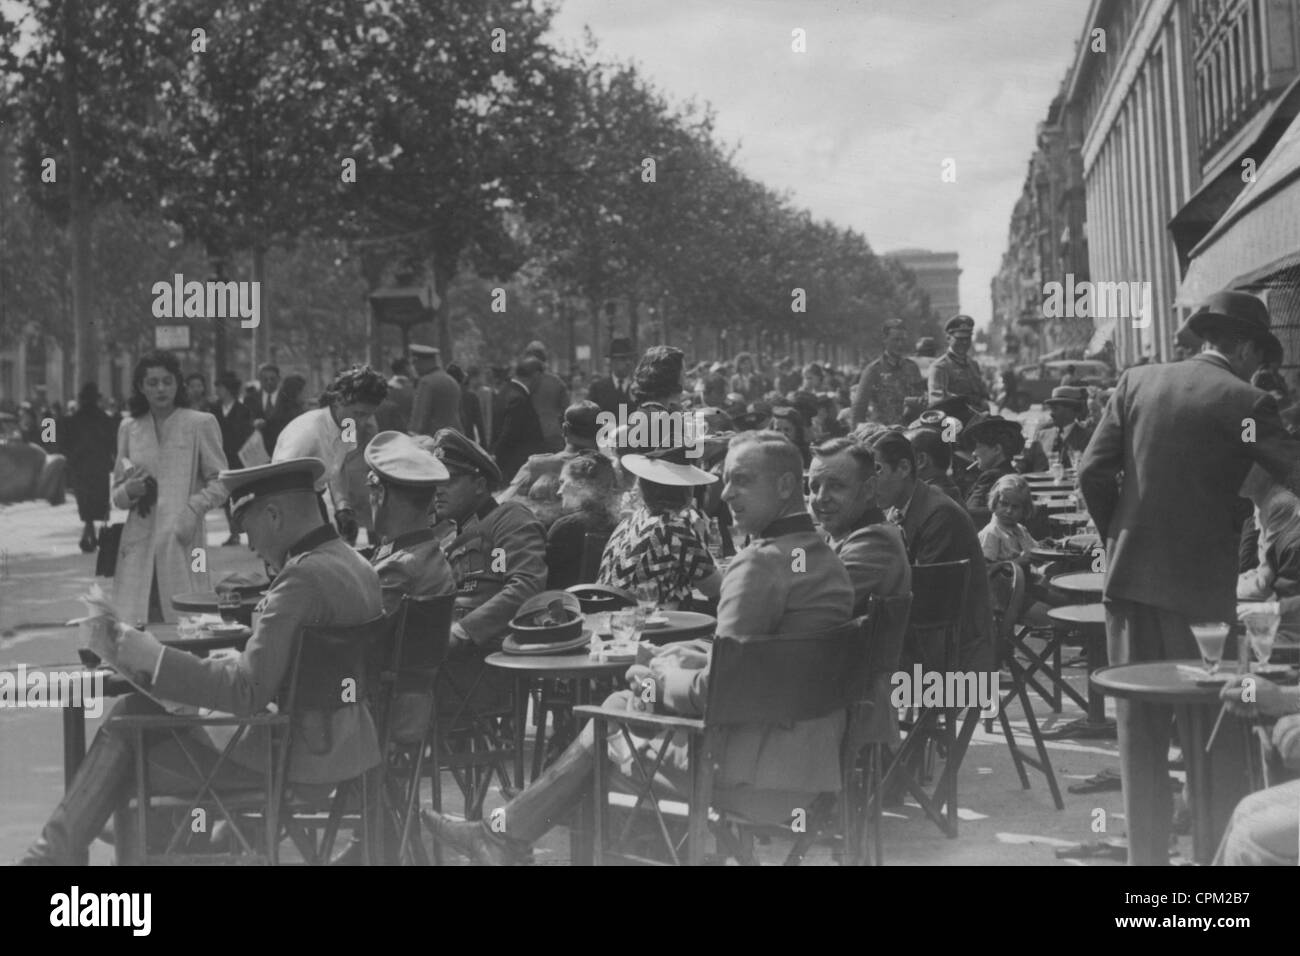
(1183, 436)
(612, 391)
(936, 529)
(1066, 436)
(262, 403)
(934, 460)
(763, 771)
(236, 423)
(437, 396)
(550, 398)
(321, 582)
(520, 434)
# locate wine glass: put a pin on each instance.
(1261, 628)
(647, 597)
(1210, 637)
(624, 626)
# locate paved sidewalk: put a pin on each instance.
(42, 572)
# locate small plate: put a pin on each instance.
(656, 620)
(1271, 668)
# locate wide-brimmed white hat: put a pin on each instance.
(667, 466)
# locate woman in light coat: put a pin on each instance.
(180, 449)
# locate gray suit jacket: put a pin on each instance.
(1183, 436)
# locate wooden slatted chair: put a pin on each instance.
(328, 671)
(774, 679)
(938, 608)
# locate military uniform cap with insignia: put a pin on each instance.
(462, 456)
(292, 476)
(398, 459)
(961, 325)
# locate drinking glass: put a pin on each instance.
(624, 626)
(647, 597)
(1210, 637)
(1261, 628)
(228, 604)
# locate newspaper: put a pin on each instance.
(101, 629)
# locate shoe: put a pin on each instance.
(471, 838)
(88, 542)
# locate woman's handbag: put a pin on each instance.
(110, 536)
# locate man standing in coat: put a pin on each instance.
(612, 391)
(322, 583)
(437, 396)
(1161, 477)
(550, 398)
(955, 373)
(521, 431)
(891, 387)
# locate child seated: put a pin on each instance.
(1005, 538)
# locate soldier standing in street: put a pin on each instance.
(892, 384)
(955, 373)
(437, 396)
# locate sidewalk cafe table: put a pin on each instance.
(1087, 585)
(1089, 622)
(1196, 707)
(205, 602)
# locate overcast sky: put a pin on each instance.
(857, 128)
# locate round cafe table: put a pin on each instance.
(681, 626)
(1071, 519)
(1085, 584)
(1163, 683)
(1088, 623)
(205, 602)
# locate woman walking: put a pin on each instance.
(168, 458)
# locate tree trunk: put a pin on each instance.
(594, 305)
(85, 331)
(633, 321)
(261, 351)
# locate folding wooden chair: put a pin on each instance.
(421, 629)
(865, 750)
(774, 679)
(325, 662)
(1007, 591)
(938, 611)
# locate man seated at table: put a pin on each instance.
(498, 560)
(409, 561)
(934, 460)
(936, 529)
(1265, 827)
(843, 484)
(764, 771)
(1067, 436)
(321, 583)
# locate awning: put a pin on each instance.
(1260, 232)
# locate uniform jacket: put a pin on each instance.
(952, 375)
(937, 529)
(1178, 434)
(762, 594)
(325, 583)
(520, 434)
(436, 404)
(486, 599)
(887, 385)
(185, 464)
(945, 484)
(413, 564)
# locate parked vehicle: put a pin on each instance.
(1034, 383)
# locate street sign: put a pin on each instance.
(584, 353)
(171, 337)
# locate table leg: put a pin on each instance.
(74, 741)
(521, 715)
(582, 833)
(1199, 779)
(1095, 650)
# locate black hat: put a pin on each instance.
(583, 419)
(993, 429)
(954, 406)
(960, 325)
(621, 348)
(462, 456)
(1241, 313)
(1068, 395)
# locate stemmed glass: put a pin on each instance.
(1210, 637)
(1261, 628)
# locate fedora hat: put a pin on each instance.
(621, 348)
(1238, 312)
(1068, 395)
(667, 466)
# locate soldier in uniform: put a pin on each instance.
(498, 560)
(437, 396)
(891, 383)
(955, 373)
(322, 582)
